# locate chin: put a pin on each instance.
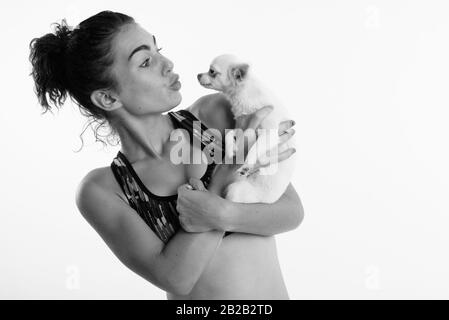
(175, 100)
(178, 97)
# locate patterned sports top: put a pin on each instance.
(159, 212)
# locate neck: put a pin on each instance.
(144, 136)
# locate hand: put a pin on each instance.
(229, 171)
(249, 125)
(199, 210)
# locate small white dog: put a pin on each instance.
(236, 80)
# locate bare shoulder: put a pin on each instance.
(94, 187)
(97, 176)
(124, 231)
(214, 110)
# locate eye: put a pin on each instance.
(146, 63)
(212, 72)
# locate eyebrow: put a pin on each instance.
(142, 47)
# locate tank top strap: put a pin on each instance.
(197, 130)
(159, 213)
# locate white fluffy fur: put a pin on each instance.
(249, 95)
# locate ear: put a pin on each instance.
(105, 100)
(239, 72)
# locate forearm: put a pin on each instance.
(265, 219)
(185, 256)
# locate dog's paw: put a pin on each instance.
(246, 170)
(243, 171)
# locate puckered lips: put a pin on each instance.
(174, 83)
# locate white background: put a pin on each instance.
(367, 83)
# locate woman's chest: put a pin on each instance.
(164, 177)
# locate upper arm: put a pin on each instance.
(129, 238)
(214, 110)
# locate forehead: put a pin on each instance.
(130, 37)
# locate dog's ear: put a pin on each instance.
(239, 72)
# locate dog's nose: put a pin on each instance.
(199, 76)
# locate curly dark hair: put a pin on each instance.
(74, 62)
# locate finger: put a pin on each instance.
(197, 184)
(270, 159)
(258, 116)
(184, 187)
(286, 136)
(248, 171)
(245, 140)
(253, 171)
(184, 222)
(251, 135)
(284, 155)
(285, 125)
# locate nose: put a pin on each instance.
(199, 76)
(168, 66)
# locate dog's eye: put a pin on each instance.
(211, 72)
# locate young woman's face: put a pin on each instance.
(146, 82)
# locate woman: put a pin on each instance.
(113, 69)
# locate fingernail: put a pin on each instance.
(293, 122)
(189, 187)
(291, 130)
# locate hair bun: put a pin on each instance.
(63, 31)
(49, 61)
